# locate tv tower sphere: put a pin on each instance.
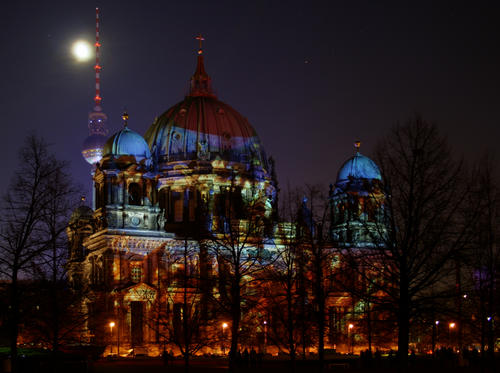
(94, 143)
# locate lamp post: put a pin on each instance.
(111, 325)
(435, 333)
(265, 336)
(351, 335)
(224, 327)
(451, 326)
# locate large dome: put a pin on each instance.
(127, 142)
(359, 167)
(203, 128)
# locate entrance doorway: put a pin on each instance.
(137, 316)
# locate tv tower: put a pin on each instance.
(94, 143)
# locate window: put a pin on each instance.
(192, 205)
(99, 196)
(163, 200)
(136, 272)
(134, 194)
(178, 204)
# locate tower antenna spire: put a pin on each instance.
(94, 143)
(97, 67)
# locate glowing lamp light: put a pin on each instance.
(224, 325)
(81, 50)
(488, 318)
(111, 324)
(265, 322)
(437, 322)
(452, 325)
(351, 326)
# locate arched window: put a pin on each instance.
(99, 196)
(178, 204)
(164, 201)
(192, 202)
(134, 194)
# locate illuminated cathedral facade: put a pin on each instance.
(192, 177)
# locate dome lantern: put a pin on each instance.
(201, 83)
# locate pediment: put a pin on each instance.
(140, 293)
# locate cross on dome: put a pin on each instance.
(200, 38)
(125, 119)
(201, 85)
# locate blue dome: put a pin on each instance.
(127, 142)
(359, 167)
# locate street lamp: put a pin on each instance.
(265, 336)
(111, 325)
(435, 334)
(224, 327)
(451, 326)
(349, 332)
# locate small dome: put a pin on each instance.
(127, 142)
(359, 167)
(81, 212)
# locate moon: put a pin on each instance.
(82, 50)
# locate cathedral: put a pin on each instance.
(199, 174)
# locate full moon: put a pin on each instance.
(81, 50)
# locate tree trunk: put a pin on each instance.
(186, 361)
(236, 316)
(320, 300)
(186, 313)
(291, 329)
(14, 322)
(55, 308)
(369, 326)
(404, 327)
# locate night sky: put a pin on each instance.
(311, 77)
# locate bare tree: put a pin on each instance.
(238, 243)
(183, 313)
(23, 233)
(425, 194)
(315, 240)
(283, 287)
(59, 305)
(421, 231)
(187, 324)
(481, 262)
